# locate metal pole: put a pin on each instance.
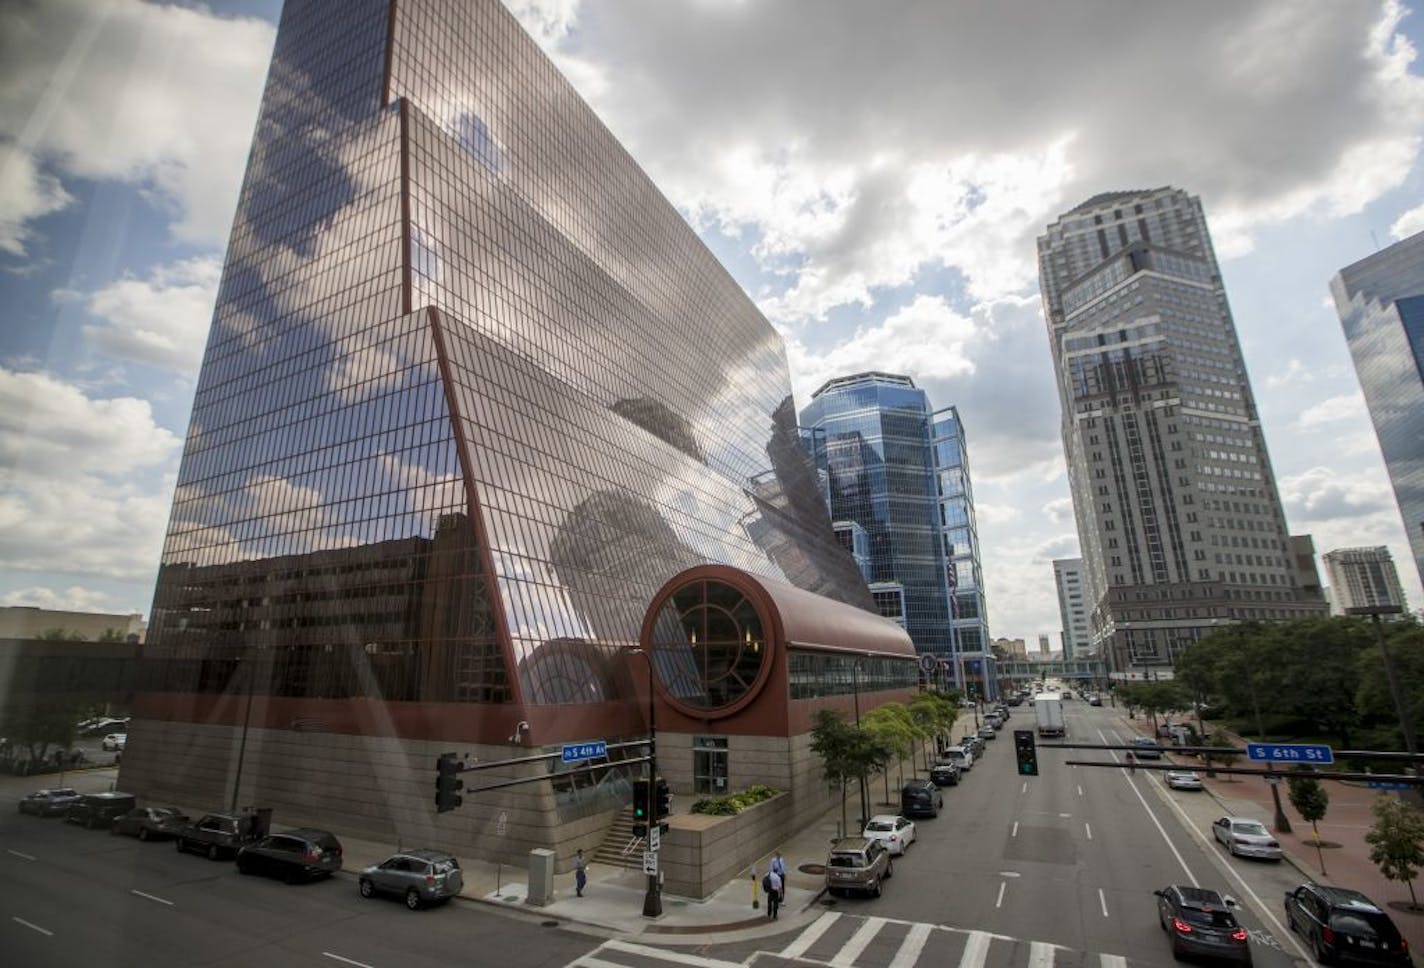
(1406, 721)
(242, 746)
(652, 896)
(864, 797)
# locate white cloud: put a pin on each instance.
(1410, 223)
(162, 320)
(26, 193)
(158, 96)
(1322, 494)
(1350, 406)
(75, 598)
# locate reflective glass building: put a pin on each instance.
(871, 434)
(959, 533)
(1179, 520)
(452, 433)
(1380, 300)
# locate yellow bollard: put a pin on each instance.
(756, 903)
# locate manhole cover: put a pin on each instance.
(548, 924)
(812, 868)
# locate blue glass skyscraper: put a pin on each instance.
(1380, 300)
(959, 533)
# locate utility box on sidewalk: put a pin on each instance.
(541, 877)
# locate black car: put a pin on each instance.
(921, 798)
(944, 774)
(99, 809)
(1200, 922)
(50, 803)
(1344, 925)
(150, 823)
(293, 855)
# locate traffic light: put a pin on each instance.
(447, 782)
(640, 801)
(1026, 751)
(662, 799)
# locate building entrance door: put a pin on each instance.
(709, 764)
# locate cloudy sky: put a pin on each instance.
(873, 173)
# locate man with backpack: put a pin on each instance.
(772, 885)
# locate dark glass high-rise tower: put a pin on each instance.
(472, 393)
(1179, 521)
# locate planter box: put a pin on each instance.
(701, 853)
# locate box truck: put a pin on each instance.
(1048, 708)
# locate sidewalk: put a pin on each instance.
(1346, 821)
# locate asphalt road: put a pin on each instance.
(86, 898)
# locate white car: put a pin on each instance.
(896, 833)
(1246, 838)
(1183, 780)
(114, 742)
(960, 757)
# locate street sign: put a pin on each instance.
(650, 862)
(655, 837)
(1290, 753)
(1388, 785)
(929, 665)
(575, 752)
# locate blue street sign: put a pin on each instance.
(1387, 785)
(574, 752)
(1290, 753)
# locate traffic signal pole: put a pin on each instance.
(653, 895)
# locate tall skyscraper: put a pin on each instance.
(451, 436)
(1361, 577)
(871, 433)
(1380, 300)
(1179, 520)
(1070, 580)
(959, 533)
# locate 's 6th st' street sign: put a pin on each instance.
(576, 752)
(1290, 753)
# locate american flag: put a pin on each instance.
(951, 572)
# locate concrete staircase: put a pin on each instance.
(620, 848)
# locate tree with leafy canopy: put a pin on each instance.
(38, 726)
(1406, 650)
(1397, 842)
(847, 752)
(1223, 752)
(933, 713)
(892, 730)
(1310, 800)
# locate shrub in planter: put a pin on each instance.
(735, 803)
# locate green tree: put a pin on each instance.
(1221, 752)
(933, 714)
(1373, 698)
(893, 733)
(1397, 842)
(1321, 674)
(38, 726)
(834, 742)
(61, 635)
(1310, 800)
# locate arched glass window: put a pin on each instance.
(709, 645)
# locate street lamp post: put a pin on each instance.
(653, 895)
(1406, 721)
(855, 685)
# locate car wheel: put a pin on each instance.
(889, 871)
(1177, 951)
(142, 832)
(178, 845)
(243, 867)
(1290, 921)
(289, 876)
(366, 888)
(876, 891)
(213, 851)
(412, 899)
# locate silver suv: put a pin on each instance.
(857, 864)
(420, 876)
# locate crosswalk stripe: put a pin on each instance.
(663, 954)
(975, 949)
(858, 942)
(1040, 955)
(810, 936)
(1112, 961)
(913, 944)
(589, 961)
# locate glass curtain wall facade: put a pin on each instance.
(871, 434)
(1179, 520)
(959, 534)
(1380, 300)
(451, 435)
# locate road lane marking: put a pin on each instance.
(1153, 817)
(1040, 955)
(33, 927)
(810, 936)
(1080, 791)
(1024, 788)
(1112, 961)
(911, 947)
(358, 964)
(1000, 901)
(1089, 828)
(858, 943)
(1015, 831)
(663, 954)
(974, 950)
(18, 854)
(1103, 901)
(588, 961)
(152, 897)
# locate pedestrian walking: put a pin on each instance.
(778, 864)
(1131, 762)
(580, 873)
(773, 885)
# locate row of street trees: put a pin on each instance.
(885, 737)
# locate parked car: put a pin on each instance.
(1341, 924)
(50, 803)
(293, 855)
(1183, 780)
(1199, 922)
(99, 809)
(1246, 838)
(420, 876)
(1147, 748)
(987, 732)
(960, 757)
(858, 864)
(972, 744)
(994, 720)
(944, 773)
(215, 834)
(114, 742)
(896, 833)
(921, 798)
(1095, 700)
(150, 823)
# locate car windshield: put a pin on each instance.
(1250, 828)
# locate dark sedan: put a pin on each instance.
(944, 774)
(150, 823)
(292, 855)
(50, 803)
(1200, 922)
(1344, 925)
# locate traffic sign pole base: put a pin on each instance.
(653, 899)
